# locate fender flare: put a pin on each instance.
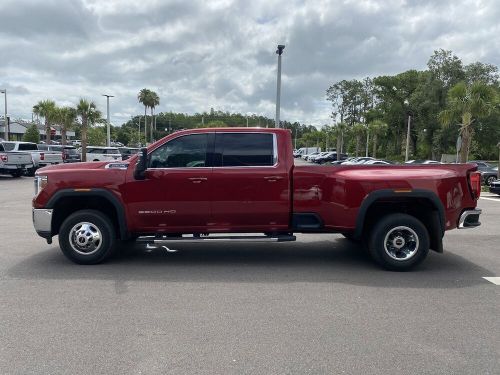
(103, 193)
(371, 198)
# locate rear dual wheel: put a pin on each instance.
(398, 242)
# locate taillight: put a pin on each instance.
(64, 156)
(4, 158)
(42, 156)
(475, 184)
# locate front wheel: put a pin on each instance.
(399, 242)
(87, 237)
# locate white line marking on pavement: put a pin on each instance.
(491, 199)
(494, 280)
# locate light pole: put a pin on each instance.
(408, 133)
(367, 139)
(279, 51)
(5, 122)
(108, 138)
(139, 134)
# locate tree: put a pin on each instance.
(32, 134)
(467, 103)
(66, 118)
(47, 110)
(96, 136)
(358, 130)
(89, 115)
(377, 128)
(145, 98)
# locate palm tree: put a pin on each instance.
(376, 128)
(89, 114)
(144, 97)
(66, 118)
(47, 110)
(358, 130)
(467, 103)
(154, 100)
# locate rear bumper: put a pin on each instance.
(469, 219)
(42, 221)
(495, 189)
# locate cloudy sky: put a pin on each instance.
(221, 54)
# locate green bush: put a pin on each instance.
(32, 134)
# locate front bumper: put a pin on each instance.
(469, 219)
(42, 221)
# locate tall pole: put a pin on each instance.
(247, 121)
(279, 51)
(5, 122)
(108, 130)
(367, 140)
(139, 134)
(408, 138)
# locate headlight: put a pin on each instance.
(40, 183)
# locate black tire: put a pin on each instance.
(489, 180)
(97, 223)
(30, 172)
(350, 237)
(396, 230)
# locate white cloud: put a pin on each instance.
(220, 54)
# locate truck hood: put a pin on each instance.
(81, 166)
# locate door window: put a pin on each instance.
(245, 150)
(189, 151)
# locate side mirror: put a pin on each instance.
(142, 165)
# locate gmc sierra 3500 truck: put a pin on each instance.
(195, 185)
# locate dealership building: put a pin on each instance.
(17, 128)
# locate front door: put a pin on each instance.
(175, 194)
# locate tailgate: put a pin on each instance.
(52, 157)
(18, 158)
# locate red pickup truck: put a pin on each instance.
(208, 184)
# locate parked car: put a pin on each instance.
(127, 152)
(14, 163)
(98, 153)
(40, 158)
(377, 162)
(495, 187)
(309, 156)
(303, 151)
(488, 172)
(423, 161)
(359, 160)
(69, 153)
(331, 156)
(76, 142)
(179, 187)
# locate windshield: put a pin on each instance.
(8, 146)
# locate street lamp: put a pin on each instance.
(108, 138)
(279, 52)
(408, 132)
(5, 122)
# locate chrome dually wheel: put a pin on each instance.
(85, 238)
(401, 243)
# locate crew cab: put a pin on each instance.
(40, 158)
(14, 163)
(208, 184)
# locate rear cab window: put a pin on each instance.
(245, 150)
(27, 147)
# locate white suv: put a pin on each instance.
(98, 153)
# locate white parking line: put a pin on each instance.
(491, 199)
(494, 280)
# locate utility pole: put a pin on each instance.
(5, 121)
(108, 134)
(247, 121)
(279, 51)
(408, 137)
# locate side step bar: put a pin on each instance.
(195, 239)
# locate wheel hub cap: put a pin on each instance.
(85, 238)
(401, 243)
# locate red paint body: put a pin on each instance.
(256, 199)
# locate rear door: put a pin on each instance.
(250, 186)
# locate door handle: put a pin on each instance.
(273, 178)
(197, 180)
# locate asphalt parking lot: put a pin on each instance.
(316, 306)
